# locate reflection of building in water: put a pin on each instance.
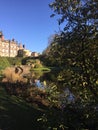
(37, 83)
(69, 95)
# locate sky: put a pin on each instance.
(28, 22)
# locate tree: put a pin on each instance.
(79, 42)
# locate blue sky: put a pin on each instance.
(28, 22)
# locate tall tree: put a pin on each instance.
(80, 18)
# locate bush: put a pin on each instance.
(14, 60)
(3, 64)
(37, 65)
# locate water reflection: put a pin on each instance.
(38, 79)
(38, 84)
(68, 95)
(43, 80)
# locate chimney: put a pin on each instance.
(1, 36)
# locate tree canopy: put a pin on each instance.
(76, 47)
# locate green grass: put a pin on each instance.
(41, 69)
(16, 114)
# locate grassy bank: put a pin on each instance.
(16, 114)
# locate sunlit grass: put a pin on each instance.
(41, 69)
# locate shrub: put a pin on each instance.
(37, 65)
(4, 62)
(14, 60)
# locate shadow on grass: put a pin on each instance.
(16, 114)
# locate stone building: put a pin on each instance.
(9, 48)
(34, 54)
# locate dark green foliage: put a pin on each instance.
(75, 49)
(29, 60)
